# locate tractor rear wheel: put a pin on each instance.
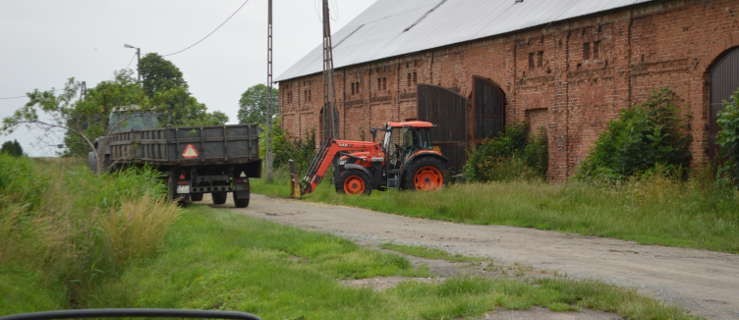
(425, 174)
(353, 182)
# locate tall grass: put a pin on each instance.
(69, 228)
(650, 210)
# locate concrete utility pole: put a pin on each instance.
(329, 111)
(268, 137)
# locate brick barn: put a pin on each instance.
(563, 66)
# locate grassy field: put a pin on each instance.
(239, 263)
(653, 211)
(76, 240)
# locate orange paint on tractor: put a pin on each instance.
(406, 159)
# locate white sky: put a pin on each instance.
(44, 42)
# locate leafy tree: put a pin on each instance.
(159, 75)
(728, 141)
(253, 104)
(90, 114)
(12, 148)
(645, 137)
(169, 95)
(59, 110)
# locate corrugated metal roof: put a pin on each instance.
(391, 28)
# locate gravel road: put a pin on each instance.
(703, 282)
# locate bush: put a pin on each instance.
(511, 156)
(640, 139)
(728, 141)
(284, 149)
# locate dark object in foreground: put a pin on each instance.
(131, 313)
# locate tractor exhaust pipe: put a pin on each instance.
(295, 188)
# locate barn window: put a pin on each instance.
(586, 51)
(410, 78)
(384, 83)
(415, 77)
(596, 49)
(540, 58)
(531, 60)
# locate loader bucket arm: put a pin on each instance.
(325, 157)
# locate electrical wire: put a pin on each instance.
(12, 98)
(209, 33)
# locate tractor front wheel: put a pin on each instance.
(425, 174)
(353, 182)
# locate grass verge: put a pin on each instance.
(216, 259)
(651, 211)
(65, 229)
(428, 253)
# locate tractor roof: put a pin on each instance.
(411, 124)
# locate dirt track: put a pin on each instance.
(703, 282)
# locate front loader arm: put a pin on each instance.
(325, 158)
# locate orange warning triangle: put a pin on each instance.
(190, 152)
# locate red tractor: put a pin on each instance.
(406, 159)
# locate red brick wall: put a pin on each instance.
(571, 93)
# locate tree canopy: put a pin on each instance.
(159, 75)
(253, 104)
(85, 116)
(12, 148)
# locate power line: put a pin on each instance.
(12, 98)
(209, 33)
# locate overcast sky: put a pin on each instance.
(44, 42)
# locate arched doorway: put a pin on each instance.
(489, 104)
(446, 109)
(723, 77)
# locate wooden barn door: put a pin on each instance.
(724, 81)
(448, 110)
(489, 104)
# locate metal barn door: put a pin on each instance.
(489, 109)
(724, 77)
(447, 110)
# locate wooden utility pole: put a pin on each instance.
(268, 137)
(330, 122)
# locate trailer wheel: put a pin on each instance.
(353, 182)
(240, 202)
(425, 174)
(219, 197)
(196, 196)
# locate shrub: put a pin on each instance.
(284, 149)
(511, 156)
(728, 141)
(642, 137)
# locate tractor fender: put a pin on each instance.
(427, 153)
(422, 154)
(354, 166)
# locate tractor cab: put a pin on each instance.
(404, 139)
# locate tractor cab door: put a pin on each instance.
(401, 143)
